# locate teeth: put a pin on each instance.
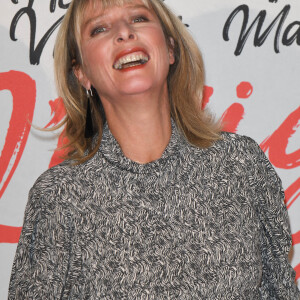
(132, 59)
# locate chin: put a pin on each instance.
(135, 88)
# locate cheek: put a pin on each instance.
(156, 38)
(159, 38)
(95, 63)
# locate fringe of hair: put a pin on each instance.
(185, 82)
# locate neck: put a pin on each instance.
(141, 125)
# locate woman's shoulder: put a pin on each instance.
(47, 188)
(65, 179)
(235, 151)
(231, 141)
(243, 152)
(55, 177)
(230, 145)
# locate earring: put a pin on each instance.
(89, 130)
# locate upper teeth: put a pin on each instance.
(129, 59)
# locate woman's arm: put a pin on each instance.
(278, 277)
(41, 262)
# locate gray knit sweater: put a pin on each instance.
(195, 224)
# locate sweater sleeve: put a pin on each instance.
(42, 257)
(278, 277)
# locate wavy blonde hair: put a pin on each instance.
(185, 81)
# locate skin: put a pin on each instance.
(136, 102)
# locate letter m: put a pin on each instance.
(259, 38)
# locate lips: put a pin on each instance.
(131, 58)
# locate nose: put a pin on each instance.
(125, 32)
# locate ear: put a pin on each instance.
(171, 51)
(82, 78)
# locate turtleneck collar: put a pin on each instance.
(112, 152)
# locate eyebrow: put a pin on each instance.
(91, 20)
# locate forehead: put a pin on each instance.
(102, 5)
(87, 9)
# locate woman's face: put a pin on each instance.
(124, 51)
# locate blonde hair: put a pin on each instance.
(185, 81)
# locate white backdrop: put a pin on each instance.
(252, 80)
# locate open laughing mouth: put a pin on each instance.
(130, 60)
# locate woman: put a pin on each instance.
(155, 203)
